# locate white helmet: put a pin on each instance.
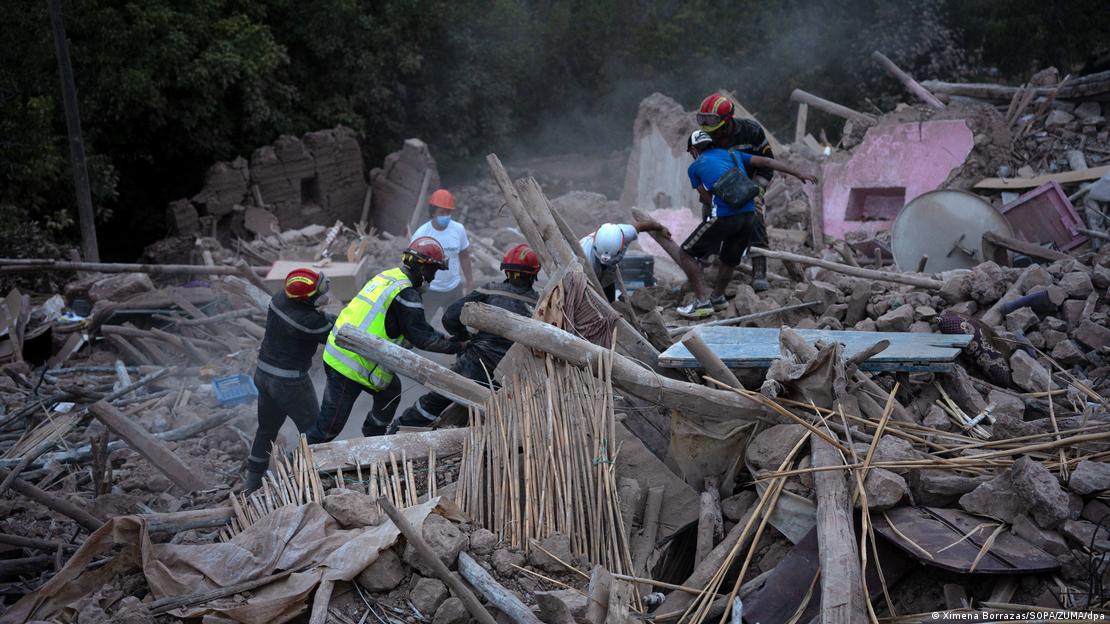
(609, 244)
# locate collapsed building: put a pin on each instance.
(880, 435)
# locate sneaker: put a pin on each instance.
(720, 302)
(697, 309)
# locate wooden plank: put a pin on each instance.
(1067, 177)
(148, 446)
(842, 599)
(940, 531)
(757, 347)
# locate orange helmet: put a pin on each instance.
(425, 251)
(442, 198)
(521, 259)
(715, 110)
(305, 284)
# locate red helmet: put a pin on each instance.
(305, 284)
(425, 251)
(521, 259)
(442, 198)
(715, 110)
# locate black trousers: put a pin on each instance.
(340, 394)
(431, 405)
(279, 397)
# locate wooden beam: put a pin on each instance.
(346, 454)
(709, 361)
(1067, 177)
(1024, 247)
(842, 599)
(831, 108)
(62, 506)
(736, 320)
(907, 81)
(421, 207)
(710, 523)
(886, 276)
(800, 123)
(148, 446)
(31, 265)
(1091, 84)
(627, 375)
(494, 592)
(410, 364)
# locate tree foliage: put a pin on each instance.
(166, 88)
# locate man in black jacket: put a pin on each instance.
(484, 350)
(295, 326)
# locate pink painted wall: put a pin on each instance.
(917, 156)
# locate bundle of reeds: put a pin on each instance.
(293, 481)
(540, 460)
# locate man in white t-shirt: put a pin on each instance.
(450, 285)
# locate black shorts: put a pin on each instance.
(728, 237)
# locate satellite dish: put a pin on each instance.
(947, 226)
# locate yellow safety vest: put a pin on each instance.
(367, 312)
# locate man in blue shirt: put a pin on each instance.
(726, 230)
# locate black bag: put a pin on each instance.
(734, 187)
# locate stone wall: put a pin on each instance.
(656, 175)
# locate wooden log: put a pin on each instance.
(148, 446)
(644, 545)
(800, 122)
(919, 281)
(178, 521)
(126, 348)
(413, 365)
(165, 605)
(25, 565)
(709, 360)
(907, 81)
(416, 539)
(710, 523)
(37, 544)
(831, 108)
(736, 320)
(524, 221)
(1084, 86)
(30, 265)
(321, 602)
(600, 584)
(842, 599)
(494, 592)
(64, 507)
(1094, 234)
(627, 375)
(1023, 247)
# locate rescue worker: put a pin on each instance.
(726, 231)
(484, 350)
(389, 306)
(449, 284)
(715, 117)
(295, 326)
(606, 247)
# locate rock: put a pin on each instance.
(1077, 284)
(1089, 477)
(734, 507)
(1046, 501)
(575, 601)
(452, 611)
(937, 488)
(1088, 109)
(504, 559)
(988, 283)
(897, 320)
(995, 499)
(352, 509)
(120, 287)
(482, 542)
(1095, 511)
(559, 547)
(1009, 416)
(963, 308)
(1048, 541)
(225, 185)
(857, 302)
(1057, 118)
(1101, 277)
(884, 489)
(427, 595)
(925, 313)
(1073, 311)
(384, 574)
(865, 325)
(1093, 335)
(921, 327)
(1068, 353)
(182, 218)
(824, 293)
(936, 418)
(767, 450)
(445, 540)
(1021, 319)
(1028, 373)
(1085, 533)
(960, 388)
(956, 288)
